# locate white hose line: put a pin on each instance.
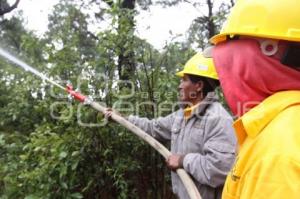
(185, 178)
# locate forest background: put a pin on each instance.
(53, 147)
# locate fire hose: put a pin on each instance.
(185, 178)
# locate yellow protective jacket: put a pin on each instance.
(268, 161)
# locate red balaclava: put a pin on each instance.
(247, 76)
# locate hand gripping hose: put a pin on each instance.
(185, 178)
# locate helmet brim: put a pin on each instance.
(180, 73)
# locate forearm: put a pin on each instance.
(152, 127)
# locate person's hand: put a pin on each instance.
(108, 113)
(175, 161)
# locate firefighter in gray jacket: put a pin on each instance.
(201, 133)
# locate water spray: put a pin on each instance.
(185, 178)
(26, 67)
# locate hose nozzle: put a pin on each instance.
(76, 95)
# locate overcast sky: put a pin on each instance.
(160, 20)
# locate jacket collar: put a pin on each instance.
(254, 121)
(200, 108)
(210, 98)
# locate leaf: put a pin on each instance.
(31, 197)
(64, 185)
(23, 157)
(75, 153)
(2, 141)
(76, 195)
(62, 155)
(74, 166)
(37, 149)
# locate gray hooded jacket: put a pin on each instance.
(206, 139)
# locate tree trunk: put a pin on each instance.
(210, 23)
(126, 27)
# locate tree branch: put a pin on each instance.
(5, 9)
(232, 3)
(109, 2)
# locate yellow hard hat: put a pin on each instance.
(200, 66)
(274, 19)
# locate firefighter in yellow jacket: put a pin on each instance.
(257, 57)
